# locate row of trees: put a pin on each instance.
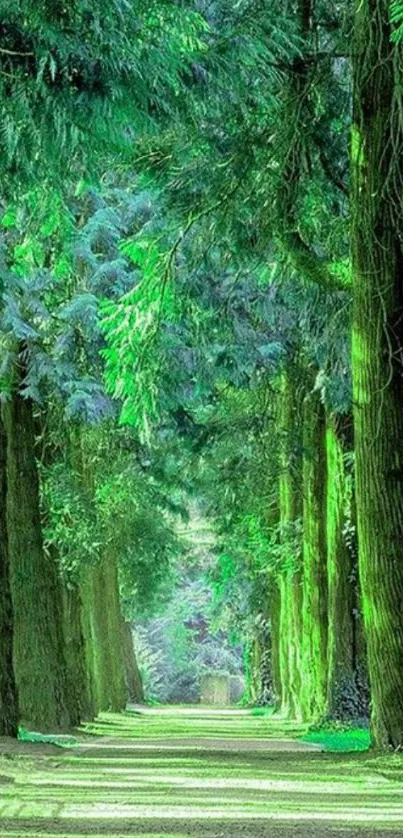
(283, 209)
(235, 280)
(75, 82)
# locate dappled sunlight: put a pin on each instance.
(93, 783)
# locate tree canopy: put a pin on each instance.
(201, 320)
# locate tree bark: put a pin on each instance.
(290, 578)
(107, 635)
(8, 689)
(38, 640)
(88, 628)
(377, 353)
(274, 612)
(80, 700)
(314, 561)
(101, 616)
(134, 684)
(342, 689)
(253, 672)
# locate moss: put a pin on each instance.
(376, 249)
(339, 740)
(106, 633)
(46, 739)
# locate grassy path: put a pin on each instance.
(205, 774)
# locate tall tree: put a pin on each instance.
(38, 642)
(314, 641)
(134, 683)
(344, 617)
(377, 353)
(8, 690)
(290, 508)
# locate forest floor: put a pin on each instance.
(200, 773)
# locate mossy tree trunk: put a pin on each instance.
(342, 688)
(253, 671)
(99, 590)
(290, 500)
(262, 661)
(79, 598)
(38, 639)
(8, 689)
(80, 698)
(377, 354)
(314, 647)
(88, 629)
(274, 612)
(134, 684)
(107, 637)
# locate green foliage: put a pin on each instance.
(60, 741)
(78, 79)
(131, 325)
(156, 310)
(109, 503)
(176, 649)
(340, 739)
(396, 17)
(71, 524)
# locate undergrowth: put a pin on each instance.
(339, 737)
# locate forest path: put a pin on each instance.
(200, 773)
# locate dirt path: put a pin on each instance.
(200, 774)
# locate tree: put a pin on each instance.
(9, 713)
(314, 603)
(134, 684)
(70, 82)
(38, 643)
(291, 574)
(345, 696)
(377, 260)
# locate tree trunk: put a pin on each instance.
(38, 639)
(261, 666)
(80, 700)
(377, 263)
(314, 561)
(88, 628)
(134, 684)
(290, 578)
(8, 689)
(274, 611)
(342, 693)
(107, 634)
(101, 617)
(253, 672)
